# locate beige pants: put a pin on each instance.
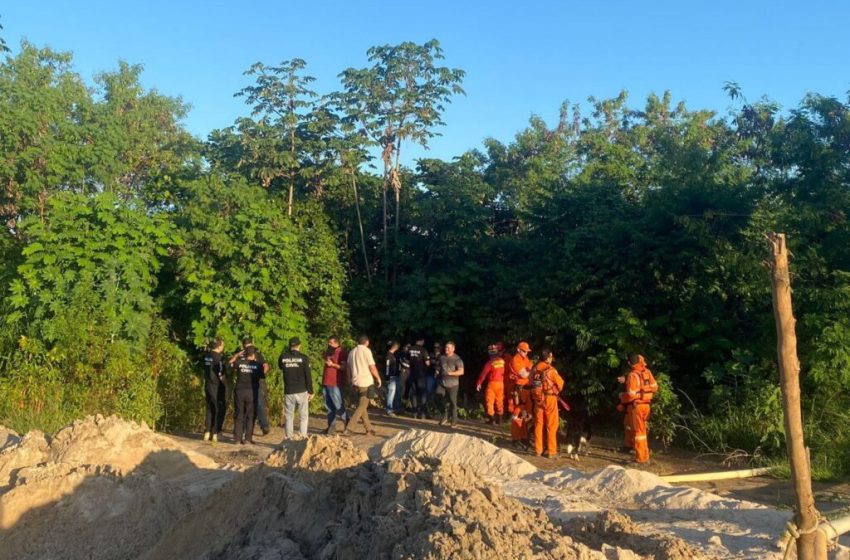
(362, 410)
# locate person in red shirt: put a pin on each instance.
(519, 405)
(333, 379)
(494, 375)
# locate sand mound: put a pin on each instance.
(482, 457)
(8, 437)
(109, 489)
(617, 530)
(317, 454)
(86, 491)
(415, 507)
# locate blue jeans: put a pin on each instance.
(431, 384)
(393, 394)
(334, 404)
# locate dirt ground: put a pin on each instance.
(831, 498)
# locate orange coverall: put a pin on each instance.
(494, 395)
(547, 413)
(519, 412)
(640, 387)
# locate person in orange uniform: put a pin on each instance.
(519, 405)
(546, 384)
(494, 396)
(640, 388)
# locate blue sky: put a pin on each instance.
(521, 58)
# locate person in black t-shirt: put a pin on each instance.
(249, 371)
(391, 379)
(420, 362)
(260, 401)
(297, 387)
(215, 386)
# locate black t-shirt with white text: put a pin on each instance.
(296, 373)
(248, 374)
(213, 368)
(419, 357)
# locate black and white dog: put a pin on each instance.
(579, 429)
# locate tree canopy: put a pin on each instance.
(624, 226)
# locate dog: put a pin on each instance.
(579, 431)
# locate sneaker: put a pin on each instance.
(328, 430)
(214, 439)
(345, 432)
(551, 455)
(206, 436)
(250, 441)
(266, 431)
(390, 413)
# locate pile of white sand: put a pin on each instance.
(720, 527)
(108, 489)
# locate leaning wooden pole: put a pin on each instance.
(806, 517)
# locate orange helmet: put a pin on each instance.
(524, 347)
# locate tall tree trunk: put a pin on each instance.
(396, 182)
(289, 203)
(291, 173)
(386, 249)
(806, 516)
(360, 225)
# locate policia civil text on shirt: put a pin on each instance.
(249, 371)
(215, 391)
(260, 402)
(297, 387)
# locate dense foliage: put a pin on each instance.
(128, 243)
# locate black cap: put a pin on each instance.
(294, 341)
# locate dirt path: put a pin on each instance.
(831, 497)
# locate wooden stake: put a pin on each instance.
(806, 516)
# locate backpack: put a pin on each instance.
(648, 385)
(538, 379)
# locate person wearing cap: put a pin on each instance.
(297, 387)
(391, 378)
(546, 385)
(333, 380)
(260, 403)
(519, 405)
(640, 388)
(494, 375)
(420, 364)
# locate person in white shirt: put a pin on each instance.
(364, 374)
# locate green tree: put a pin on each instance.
(399, 98)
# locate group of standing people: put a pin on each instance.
(414, 373)
(524, 390)
(249, 368)
(528, 391)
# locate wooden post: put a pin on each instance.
(806, 516)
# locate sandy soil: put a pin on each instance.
(106, 488)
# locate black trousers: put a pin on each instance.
(420, 394)
(451, 402)
(261, 408)
(243, 425)
(214, 395)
